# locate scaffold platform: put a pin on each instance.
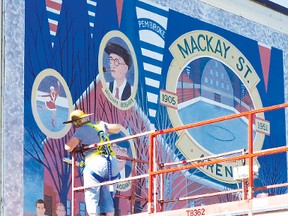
(268, 206)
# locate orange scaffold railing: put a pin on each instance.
(247, 188)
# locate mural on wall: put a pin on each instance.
(173, 75)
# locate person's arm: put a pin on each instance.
(46, 95)
(58, 89)
(113, 128)
(71, 144)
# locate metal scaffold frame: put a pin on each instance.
(154, 204)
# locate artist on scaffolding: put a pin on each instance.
(100, 163)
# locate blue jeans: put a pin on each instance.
(99, 197)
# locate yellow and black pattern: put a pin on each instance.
(103, 149)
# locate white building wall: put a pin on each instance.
(12, 82)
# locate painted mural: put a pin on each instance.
(180, 70)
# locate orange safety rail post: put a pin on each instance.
(150, 175)
(133, 187)
(250, 159)
(250, 155)
(73, 171)
(162, 192)
(244, 189)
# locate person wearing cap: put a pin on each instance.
(120, 63)
(100, 162)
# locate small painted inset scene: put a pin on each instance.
(51, 103)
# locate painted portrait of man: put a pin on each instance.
(120, 62)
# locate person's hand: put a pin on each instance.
(58, 82)
(71, 144)
(113, 128)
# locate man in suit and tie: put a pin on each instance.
(120, 63)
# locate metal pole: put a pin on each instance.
(250, 159)
(150, 176)
(73, 198)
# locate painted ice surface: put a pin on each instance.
(46, 116)
(218, 137)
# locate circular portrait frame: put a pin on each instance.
(50, 131)
(119, 41)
